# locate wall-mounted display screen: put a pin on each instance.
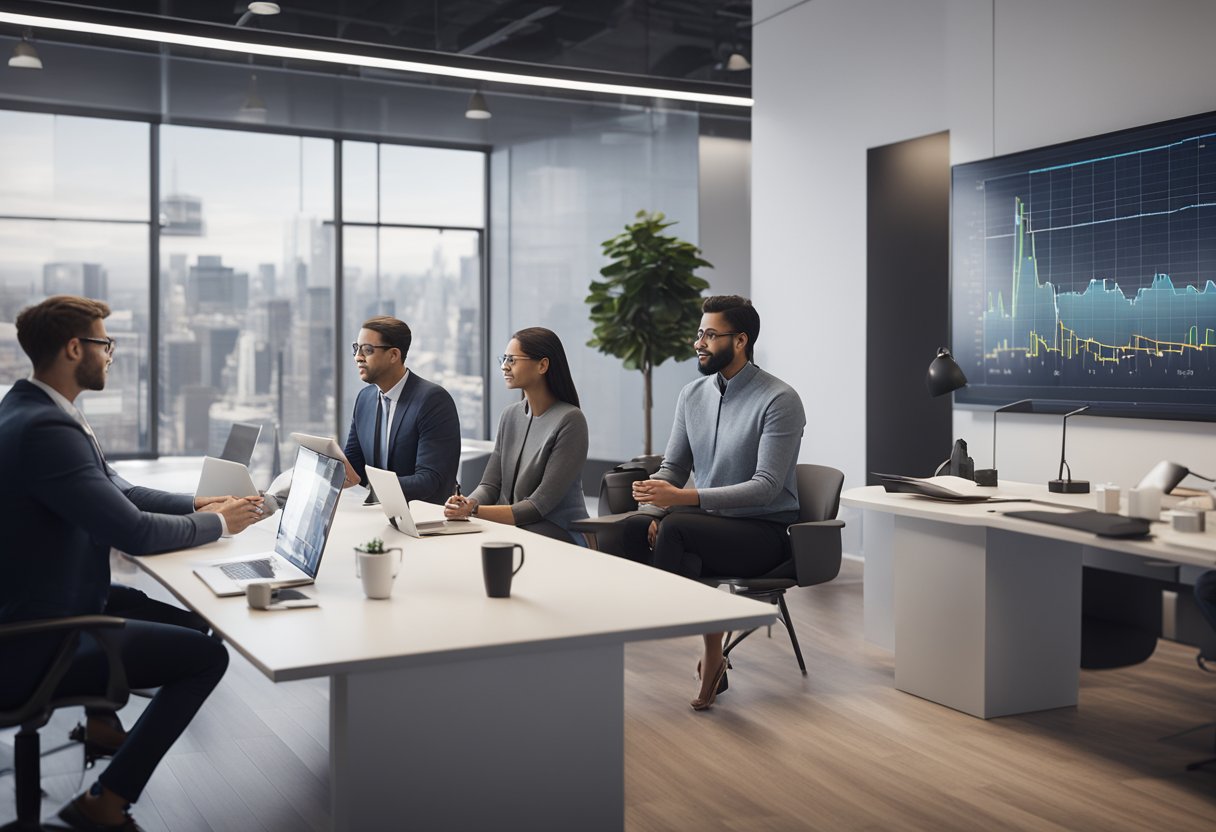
(1083, 272)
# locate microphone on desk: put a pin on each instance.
(1060, 485)
(987, 476)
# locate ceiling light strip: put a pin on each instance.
(350, 59)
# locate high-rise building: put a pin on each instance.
(85, 279)
(182, 216)
(212, 287)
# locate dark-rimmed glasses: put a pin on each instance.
(710, 335)
(509, 359)
(368, 350)
(110, 343)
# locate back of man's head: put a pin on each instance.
(394, 332)
(740, 314)
(44, 329)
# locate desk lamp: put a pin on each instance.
(945, 376)
(987, 476)
(1060, 485)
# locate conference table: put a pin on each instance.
(449, 709)
(982, 610)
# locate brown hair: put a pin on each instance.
(43, 330)
(394, 332)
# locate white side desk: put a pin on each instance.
(452, 710)
(984, 611)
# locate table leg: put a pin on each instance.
(533, 741)
(986, 621)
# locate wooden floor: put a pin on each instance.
(838, 749)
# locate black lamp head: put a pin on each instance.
(944, 376)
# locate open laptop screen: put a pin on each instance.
(242, 439)
(316, 484)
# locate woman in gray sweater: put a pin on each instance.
(534, 477)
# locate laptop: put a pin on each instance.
(304, 526)
(222, 477)
(397, 509)
(242, 439)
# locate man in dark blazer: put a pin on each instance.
(402, 422)
(62, 509)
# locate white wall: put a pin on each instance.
(833, 78)
(724, 210)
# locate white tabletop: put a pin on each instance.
(1197, 549)
(564, 595)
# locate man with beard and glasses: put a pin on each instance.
(738, 430)
(62, 508)
(402, 422)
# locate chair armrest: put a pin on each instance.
(603, 522)
(816, 549)
(55, 625)
(41, 702)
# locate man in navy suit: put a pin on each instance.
(62, 509)
(402, 423)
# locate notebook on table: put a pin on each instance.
(304, 525)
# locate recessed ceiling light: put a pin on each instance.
(264, 8)
(371, 61)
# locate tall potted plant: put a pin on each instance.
(648, 305)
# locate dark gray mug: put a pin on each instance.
(496, 562)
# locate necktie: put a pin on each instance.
(377, 441)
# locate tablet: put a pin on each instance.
(327, 446)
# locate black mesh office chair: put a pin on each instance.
(814, 547)
(33, 713)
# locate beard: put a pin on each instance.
(717, 360)
(91, 375)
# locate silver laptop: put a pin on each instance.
(223, 478)
(304, 525)
(242, 439)
(397, 509)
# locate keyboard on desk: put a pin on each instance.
(247, 570)
(1103, 525)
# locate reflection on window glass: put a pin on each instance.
(358, 182)
(68, 167)
(247, 282)
(432, 186)
(431, 279)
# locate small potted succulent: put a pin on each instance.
(375, 546)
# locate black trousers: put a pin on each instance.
(185, 665)
(696, 544)
(1205, 596)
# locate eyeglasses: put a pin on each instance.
(710, 335)
(109, 342)
(368, 349)
(511, 359)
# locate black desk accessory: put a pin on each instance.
(987, 476)
(1100, 523)
(899, 484)
(945, 376)
(1061, 485)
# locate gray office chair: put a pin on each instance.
(33, 713)
(814, 547)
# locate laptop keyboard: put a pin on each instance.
(248, 570)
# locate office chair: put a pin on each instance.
(33, 713)
(815, 550)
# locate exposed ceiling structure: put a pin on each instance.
(684, 40)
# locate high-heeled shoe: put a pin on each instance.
(699, 704)
(93, 750)
(725, 683)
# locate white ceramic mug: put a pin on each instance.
(259, 595)
(1108, 498)
(377, 571)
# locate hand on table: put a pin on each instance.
(239, 513)
(458, 507)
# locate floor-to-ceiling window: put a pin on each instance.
(74, 203)
(246, 285)
(414, 220)
(246, 269)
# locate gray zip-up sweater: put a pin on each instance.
(742, 443)
(543, 458)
